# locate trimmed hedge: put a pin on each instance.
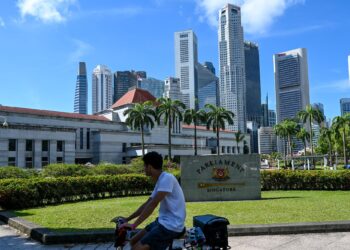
(15, 172)
(24, 193)
(305, 180)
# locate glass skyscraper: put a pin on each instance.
(207, 86)
(152, 85)
(232, 67)
(81, 91)
(344, 106)
(102, 89)
(252, 72)
(172, 88)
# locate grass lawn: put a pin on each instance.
(274, 207)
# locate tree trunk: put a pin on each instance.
(169, 140)
(285, 152)
(217, 140)
(311, 137)
(142, 141)
(195, 137)
(344, 148)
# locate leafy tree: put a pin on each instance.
(239, 136)
(310, 115)
(169, 110)
(140, 116)
(326, 134)
(216, 118)
(194, 116)
(341, 124)
(304, 136)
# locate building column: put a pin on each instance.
(21, 149)
(4, 152)
(53, 151)
(37, 154)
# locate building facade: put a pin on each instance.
(210, 67)
(267, 140)
(172, 88)
(207, 87)
(253, 90)
(272, 118)
(122, 81)
(81, 91)
(102, 89)
(152, 85)
(344, 106)
(186, 60)
(232, 66)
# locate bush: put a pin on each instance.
(24, 193)
(305, 180)
(15, 172)
(59, 170)
(111, 169)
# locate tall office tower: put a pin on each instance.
(319, 106)
(252, 76)
(265, 113)
(152, 85)
(232, 67)
(186, 60)
(102, 89)
(207, 87)
(344, 106)
(267, 140)
(122, 81)
(272, 118)
(81, 91)
(209, 66)
(252, 129)
(172, 88)
(291, 83)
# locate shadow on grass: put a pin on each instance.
(21, 214)
(281, 198)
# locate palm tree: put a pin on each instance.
(216, 118)
(140, 116)
(340, 125)
(194, 116)
(169, 110)
(239, 137)
(303, 135)
(281, 131)
(310, 115)
(327, 134)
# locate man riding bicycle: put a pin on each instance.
(172, 211)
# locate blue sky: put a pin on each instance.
(42, 41)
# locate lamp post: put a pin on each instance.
(5, 124)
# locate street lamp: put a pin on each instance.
(5, 124)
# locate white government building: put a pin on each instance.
(35, 138)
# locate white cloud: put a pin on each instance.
(2, 23)
(81, 49)
(48, 11)
(257, 15)
(336, 85)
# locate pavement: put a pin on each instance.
(13, 239)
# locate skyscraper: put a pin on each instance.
(209, 66)
(291, 83)
(102, 89)
(344, 106)
(265, 113)
(232, 67)
(81, 91)
(252, 72)
(207, 86)
(152, 85)
(122, 81)
(272, 118)
(186, 60)
(172, 88)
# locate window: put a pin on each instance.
(223, 149)
(88, 138)
(44, 161)
(29, 145)
(11, 161)
(59, 159)
(45, 146)
(124, 148)
(233, 150)
(12, 145)
(81, 138)
(29, 162)
(59, 146)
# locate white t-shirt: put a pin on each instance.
(172, 210)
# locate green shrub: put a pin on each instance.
(16, 172)
(59, 170)
(24, 193)
(305, 180)
(111, 169)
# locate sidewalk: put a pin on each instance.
(11, 239)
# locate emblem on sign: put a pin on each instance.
(220, 174)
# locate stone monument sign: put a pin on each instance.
(221, 178)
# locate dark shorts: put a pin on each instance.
(158, 237)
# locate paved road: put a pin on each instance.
(11, 239)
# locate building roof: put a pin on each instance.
(134, 96)
(205, 128)
(51, 113)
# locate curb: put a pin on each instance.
(45, 236)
